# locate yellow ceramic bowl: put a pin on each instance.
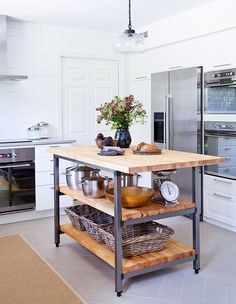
(132, 196)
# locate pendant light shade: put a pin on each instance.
(129, 41)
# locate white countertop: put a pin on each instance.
(27, 142)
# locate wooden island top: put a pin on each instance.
(132, 163)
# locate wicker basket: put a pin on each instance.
(74, 213)
(89, 219)
(138, 239)
(96, 221)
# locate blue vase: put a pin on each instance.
(123, 138)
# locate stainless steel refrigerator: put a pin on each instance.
(177, 109)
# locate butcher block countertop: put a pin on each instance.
(132, 163)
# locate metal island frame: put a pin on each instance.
(175, 252)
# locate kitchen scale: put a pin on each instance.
(165, 188)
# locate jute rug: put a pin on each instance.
(25, 278)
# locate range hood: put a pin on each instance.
(4, 75)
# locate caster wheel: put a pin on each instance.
(196, 271)
(119, 294)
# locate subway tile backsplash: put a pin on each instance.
(34, 50)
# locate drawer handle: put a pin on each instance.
(227, 159)
(222, 181)
(227, 149)
(51, 173)
(223, 196)
(141, 77)
(51, 187)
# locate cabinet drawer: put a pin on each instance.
(228, 170)
(227, 151)
(229, 162)
(222, 185)
(226, 141)
(46, 178)
(45, 198)
(220, 207)
(42, 150)
(46, 164)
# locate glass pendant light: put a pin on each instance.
(129, 41)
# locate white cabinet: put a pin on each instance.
(45, 198)
(44, 178)
(220, 201)
(219, 51)
(141, 89)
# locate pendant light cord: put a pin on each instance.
(130, 25)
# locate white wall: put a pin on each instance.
(35, 50)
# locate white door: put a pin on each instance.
(86, 83)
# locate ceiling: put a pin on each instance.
(104, 15)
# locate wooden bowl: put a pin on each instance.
(132, 197)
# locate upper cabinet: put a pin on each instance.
(219, 50)
(214, 51)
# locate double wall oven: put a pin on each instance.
(17, 179)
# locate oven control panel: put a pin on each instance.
(220, 126)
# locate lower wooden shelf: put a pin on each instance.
(173, 251)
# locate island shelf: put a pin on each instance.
(175, 252)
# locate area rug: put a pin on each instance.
(26, 278)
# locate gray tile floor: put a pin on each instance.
(94, 279)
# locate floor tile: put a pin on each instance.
(94, 279)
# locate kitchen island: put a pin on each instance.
(175, 252)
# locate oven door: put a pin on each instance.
(17, 186)
(220, 97)
(225, 146)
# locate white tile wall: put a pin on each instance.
(34, 50)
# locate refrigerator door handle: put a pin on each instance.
(171, 121)
(166, 123)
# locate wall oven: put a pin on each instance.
(220, 91)
(17, 179)
(220, 140)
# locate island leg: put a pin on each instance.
(118, 233)
(196, 225)
(56, 201)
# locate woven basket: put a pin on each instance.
(89, 219)
(74, 213)
(138, 239)
(94, 222)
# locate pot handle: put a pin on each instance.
(64, 173)
(96, 172)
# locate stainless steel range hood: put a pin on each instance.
(4, 75)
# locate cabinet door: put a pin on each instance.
(223, 185)
(219, 51)
(141, 89)
(220, 207)
(45, 198)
